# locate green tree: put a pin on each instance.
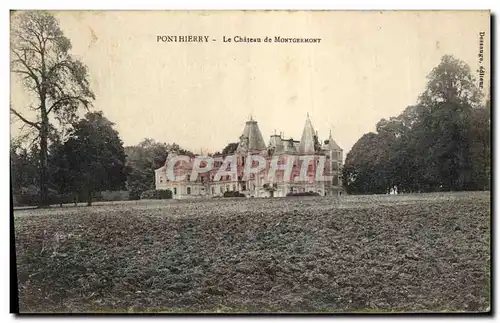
(62, 177)
(448, 104)
(57, 82)
(230, 148)
(96, 157)
(442, 143)
(23, 166)
(362, 171)
(480, 147)
(142, 161)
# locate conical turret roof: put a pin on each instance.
(251, 139)
(306, 145)
(332, 144)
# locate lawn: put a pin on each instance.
(427, 252)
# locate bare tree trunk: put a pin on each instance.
(44, 200)
(88, 186)
(89, 198)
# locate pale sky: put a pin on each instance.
(368, 66)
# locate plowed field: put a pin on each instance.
(428, 252)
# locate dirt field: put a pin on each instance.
(428, 252)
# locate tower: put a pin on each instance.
(251, 139)
(308, 139)
(336, 156)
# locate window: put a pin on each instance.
(175, 190)
(234, 187)
(213, 190)
(161, 179)
(228, 188)
(188, 178)
(221, 189)
(189, 190)
(243, 187)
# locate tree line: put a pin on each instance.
(91, 158)
(440, 144)
(69, 157)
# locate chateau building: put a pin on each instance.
(323, 158)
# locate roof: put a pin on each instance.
(306, 145)
(332, 144)
(251, 139)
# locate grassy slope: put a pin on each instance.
(359, 254)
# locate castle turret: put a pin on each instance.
(331, 144)
(333, 150)
(306, 145)
(251, 139)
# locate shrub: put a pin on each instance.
(303, 194)
(33, 198)
(134, 195)
(156, 195)
(115, 195)
(233, 194)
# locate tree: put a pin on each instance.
(62, 177)
(23, 166)
(142, 161)
(362, 172)
(96, 157)
(57, 82)
(448, 103)
(230, 148)
(442, 143)
(480, 147)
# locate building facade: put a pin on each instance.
(323, 158)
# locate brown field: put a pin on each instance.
(426, 252)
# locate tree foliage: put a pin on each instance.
(142, 161)
(23, 166)
(58, 83)
(93, 158)
(230, 148)
(442, 143)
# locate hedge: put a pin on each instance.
(33, 199)
(303, 194)
(156, 195)
(233, 194)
